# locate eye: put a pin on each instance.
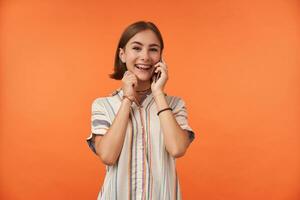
(136, 48)
(153, 49)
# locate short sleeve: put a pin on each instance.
(181, 116)
(100, 122)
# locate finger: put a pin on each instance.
(127, 78)
(162, 70)
(159, 68)
(133, 76)
(126, 73)
(129, 73)
(165, 67)
(163, 61)
(134, 84)
(157, 64)
(161, 64)
(133, 80)
(130, 77)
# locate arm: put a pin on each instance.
(109, 146)
(175, 138)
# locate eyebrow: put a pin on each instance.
(151, 45)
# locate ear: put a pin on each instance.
(122, 55)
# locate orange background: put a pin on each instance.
(235, 63)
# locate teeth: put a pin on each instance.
(142, 67)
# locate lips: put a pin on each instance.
(143, 66)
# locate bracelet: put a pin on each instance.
(164, 110)
(125, 96)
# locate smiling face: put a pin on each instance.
(141, 53)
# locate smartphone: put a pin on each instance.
(157, 74)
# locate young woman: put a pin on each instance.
(138, 131)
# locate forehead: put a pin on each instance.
(146, 37)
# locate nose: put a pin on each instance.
(144, 55)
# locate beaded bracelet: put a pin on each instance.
(125, 96)
(163, 110)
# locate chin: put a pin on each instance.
(143, 77)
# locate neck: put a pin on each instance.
(143, 85)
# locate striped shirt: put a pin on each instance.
(144, 169)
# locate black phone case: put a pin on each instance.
(157, 75)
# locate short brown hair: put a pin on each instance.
(129, 32)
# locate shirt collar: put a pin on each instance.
(120, 92)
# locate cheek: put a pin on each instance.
(130, 53)
(155, 57)
(131, 56)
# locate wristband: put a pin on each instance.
(125, 96)
(164, 110)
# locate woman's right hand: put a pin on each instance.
(129, 84)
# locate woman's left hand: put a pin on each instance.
(158, 86)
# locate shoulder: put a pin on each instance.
(173, 98)
(97, 104)
(110, 98)
(98, 100)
